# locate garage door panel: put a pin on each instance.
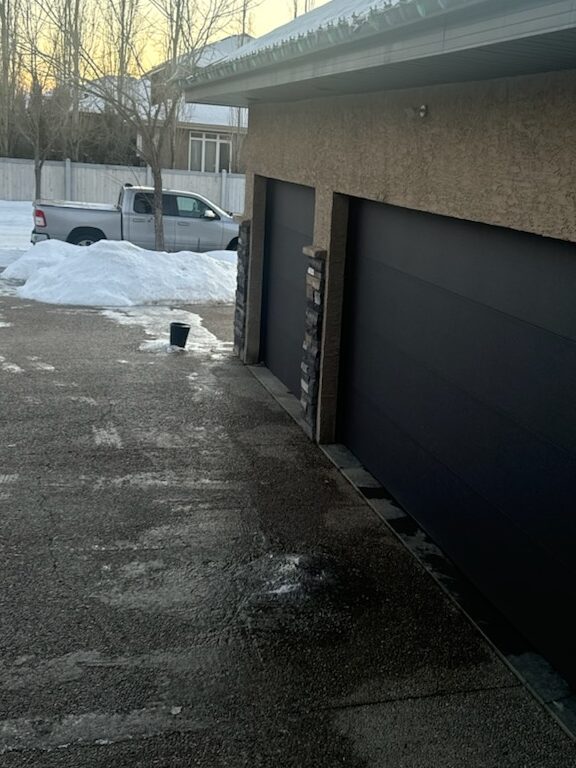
(465, 410)
(499, 460)
(289, 227)
(491, 549)
(525, 372)
(536, 275)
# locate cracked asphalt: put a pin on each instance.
(185, 580)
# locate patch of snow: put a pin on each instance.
(100, 727)
(11, 368)
(285, 589)
(156, 323)
(39, 365)
(15, 228)
(41, 256)
(107, 437)
(119, 274)
(230, 257)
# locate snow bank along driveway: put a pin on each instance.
(15, 229)
(119, 274)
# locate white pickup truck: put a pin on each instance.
(191, 222)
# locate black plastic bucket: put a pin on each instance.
(179, 334)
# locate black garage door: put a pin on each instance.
(459, 395)
(289, 227)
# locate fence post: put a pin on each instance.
(224, 189)
(68, 179)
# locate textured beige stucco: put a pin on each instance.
(501, 152)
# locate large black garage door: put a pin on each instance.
(459, 394)
(289, 227)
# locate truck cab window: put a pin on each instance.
(143, 203)
(191, 207)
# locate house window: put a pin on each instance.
(210, 152)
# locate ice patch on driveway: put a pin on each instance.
(92, 728)
(40, 365)
(156, 323)
(107, 437)
(148, 480)
(83, 399)
(155, 587)
(35, 672)
(5, 365)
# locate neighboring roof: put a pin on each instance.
(205, 115)
(210, 54)
(349, 46)
(221, 49)
(95, 92)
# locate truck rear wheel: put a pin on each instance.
(85, 236)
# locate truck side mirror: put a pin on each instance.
(209, 214)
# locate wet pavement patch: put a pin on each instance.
(312, 596)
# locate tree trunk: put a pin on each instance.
(158, 218)
(38, 164)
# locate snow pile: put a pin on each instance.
(15, 228)
(119, 274)
(46, 254)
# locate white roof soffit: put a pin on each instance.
(435, 41)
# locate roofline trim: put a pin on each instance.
(404, 14)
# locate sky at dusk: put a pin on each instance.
(272, 14)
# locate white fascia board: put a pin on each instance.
(504, 25)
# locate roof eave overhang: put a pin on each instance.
(521, 38)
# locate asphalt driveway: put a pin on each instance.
(185, 580)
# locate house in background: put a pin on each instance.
(209, 138)
(206, 138)
(408, 269)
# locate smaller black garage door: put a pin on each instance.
(289, 227)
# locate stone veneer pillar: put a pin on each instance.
(242, 288)
(312, 346)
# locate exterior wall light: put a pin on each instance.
(414, 112)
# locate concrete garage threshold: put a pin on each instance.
(534, 672)
(186, 580)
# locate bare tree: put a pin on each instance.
(72, 25)
(10, 13)
(301, 6)
(106, 68)
(149, 101)
(43, 113)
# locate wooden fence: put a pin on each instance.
(101, 183)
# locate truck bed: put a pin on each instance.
(65, 217)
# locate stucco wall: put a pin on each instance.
(502, 152)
